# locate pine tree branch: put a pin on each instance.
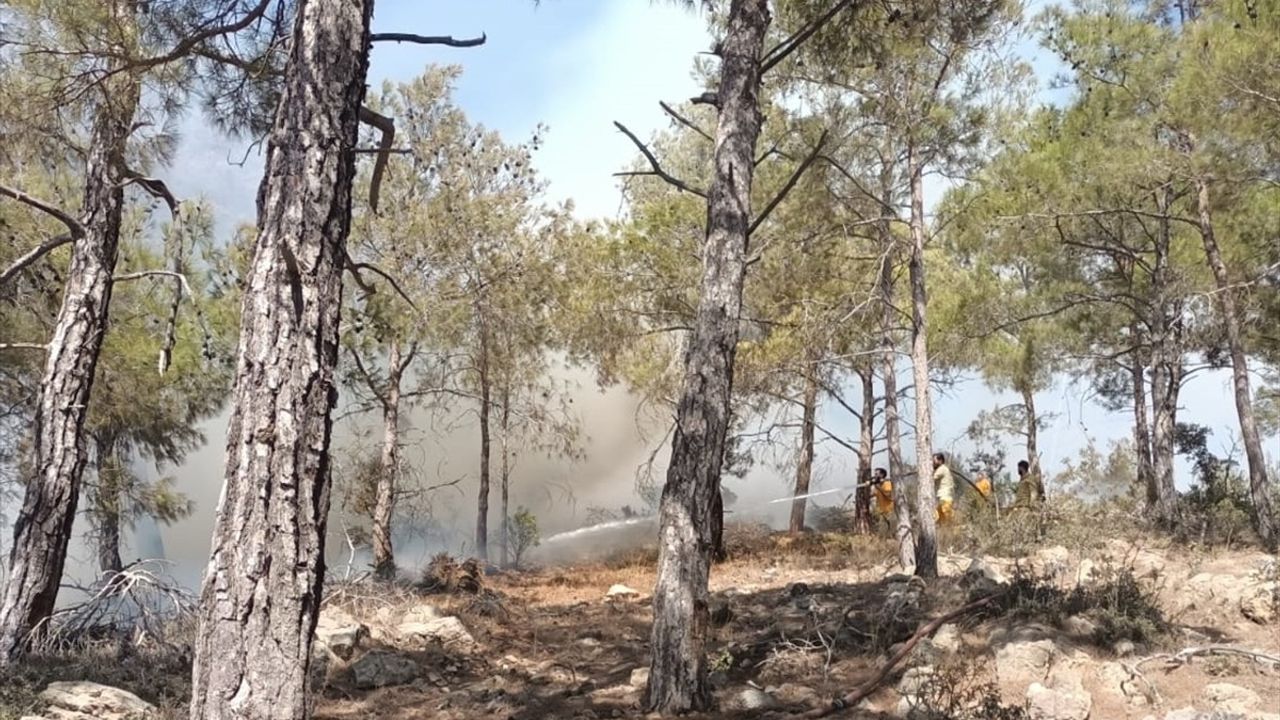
(428, 39)
(74, 225)
(189, 44)
(355, 268)
(780, 51)
(33, 255)
(684, 121)
(653, 162)
(791, 182)
(23, 346)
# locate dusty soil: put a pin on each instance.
(804, 620)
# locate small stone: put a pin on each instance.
(92, 700)
(914, 680)
(1086, 573)
(1124, 648)
(639, 677)
(1080, 626)
(754, 699)
(449, 632)
(1044, 703)
(381, 668)
(622, 592)
(947, 638)
(1023, 662)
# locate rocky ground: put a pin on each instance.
(1128, 631)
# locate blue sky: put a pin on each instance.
(576, 66)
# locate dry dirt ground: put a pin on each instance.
(1110, 628)
(801, 621)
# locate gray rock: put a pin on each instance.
(1231, 698)
(1080, 626)
(983, 571)
(1064, 698)
(339, 633)
(1024, 661)
(381, 668)
(753, 699)
(449, 632)
(621, 592)
(1259, 603)
(92, 700)
(914, 680)
(639, 677)
(947, 639)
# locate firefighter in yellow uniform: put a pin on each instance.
(983, 485)
(882, 488)
(945, 484)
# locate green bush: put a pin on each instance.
(524, 534)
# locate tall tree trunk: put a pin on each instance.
(866, 450)
(893, 432)
(505, 423)
(262, 588)
(1033, 437)
(384, 560)
(1264, 518)
(43, 526)
(1166, 366)
(926, 494)
(482, 501)
(1141, 418)
(678, 667)
(804, 465)
(106, 505)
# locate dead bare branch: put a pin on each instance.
(155, 273)
(154, 187)
(684, 121)
(854, 697)
(388, 128)
(657, 167)
(428, 39)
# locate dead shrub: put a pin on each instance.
(1120, 606)
(961, 690)
(446, 575)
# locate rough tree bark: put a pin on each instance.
(866, 451)
(262, 589)
(1141, 419)
(482, 500)
(106, 506)
(678, 666)
(1259, 487)
(893, 432)
(926, 494)
(43, 526)
(384, 561)
(1033, 437)
(1166, 366)
(804, 464)
(504, 422)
